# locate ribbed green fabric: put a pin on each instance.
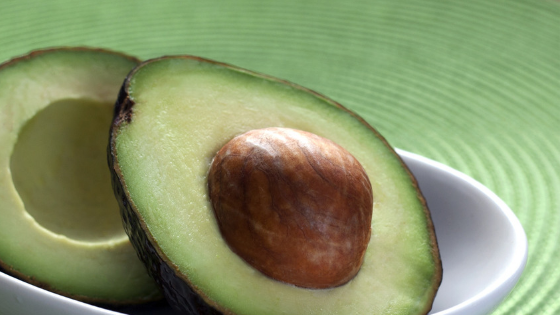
(474, 84)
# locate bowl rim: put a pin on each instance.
(518, 261)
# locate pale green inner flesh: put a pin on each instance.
(55, 113)
(184, 112)
(59, 168)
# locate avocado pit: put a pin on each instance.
(295, 206)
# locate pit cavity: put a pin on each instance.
(59, 168)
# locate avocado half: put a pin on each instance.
(60, 227)
(172, 116)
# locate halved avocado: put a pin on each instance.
(172, 117)
(60, 226)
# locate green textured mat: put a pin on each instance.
(473, 84)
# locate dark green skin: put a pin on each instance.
(177, 289)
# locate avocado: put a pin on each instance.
(178, 118)
(60, 227)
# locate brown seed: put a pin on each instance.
(295, 206)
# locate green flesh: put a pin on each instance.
(59, 165)
(60, 226)
(184, 112)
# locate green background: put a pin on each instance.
(473, 84)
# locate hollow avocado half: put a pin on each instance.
(60, 227)
(172, 116)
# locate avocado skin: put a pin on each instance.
(177, 289)
(178, 293)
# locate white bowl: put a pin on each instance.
(482, 244)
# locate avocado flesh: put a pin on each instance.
(60, 226)
(177, 112)
(59, 165)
